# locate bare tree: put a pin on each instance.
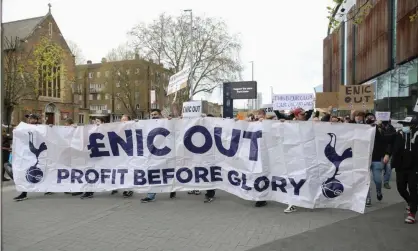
(122, 52)
(19, 80)
(212, 50)
(77, 52)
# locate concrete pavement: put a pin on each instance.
(109, 222)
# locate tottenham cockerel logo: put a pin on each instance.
(332, 187)
(34, 174)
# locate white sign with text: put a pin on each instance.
(293, 101)
(192, 109)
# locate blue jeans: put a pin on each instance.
(151, 196)
(387, 173)
(377, 168)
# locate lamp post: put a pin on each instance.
(252, 79)
(191, 54)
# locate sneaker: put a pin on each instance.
(290, 209)
(21, 197)
(86, 196)
(368, 202)
(5, 179)
(408, 210)
(114, 192)
(128, 194)
(210, 199)
(379, 196)
(146, 200)
(197, 192)
(387, 186)
(191, 192)
(172, 195)
(261, 203)
(76, 193)
(410, 219)
(48, 193)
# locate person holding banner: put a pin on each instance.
(89, 195)
(380, 157)
(156, 114)
(405, 162)
(32, 119)
(210, 194)
(126, 194)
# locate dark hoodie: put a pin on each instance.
(405, 151)
(279, 115)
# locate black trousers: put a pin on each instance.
(407, 183)
(5, 155)
(210, 193)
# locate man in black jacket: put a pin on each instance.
(405, 162)
(390, 133)
(380, 157)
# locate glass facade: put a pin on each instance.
(397, 90)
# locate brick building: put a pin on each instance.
(54, 98)
(111, 89)
(382, 50)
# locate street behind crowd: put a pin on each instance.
(107, 222)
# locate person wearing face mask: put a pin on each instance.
(156, 114)
(297, 114)
(357, 117)
(405, 162)
(380, 157)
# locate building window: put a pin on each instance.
(107, 96)
(128, 72)
(118, 84)
(136, 82)
(98, 74)
(91, 97)
(81, 118)
(137, 71)
(106, 74)
(137, 106)
(50, 81)
(80, 98)
(50, 29)
(136, 95)
(90, 74)
(99, 97)
(118, 107)
(128, 106)
(80, 76)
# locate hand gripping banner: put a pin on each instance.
(306, 164)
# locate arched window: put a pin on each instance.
(50, 81)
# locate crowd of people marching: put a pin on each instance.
(393, 149)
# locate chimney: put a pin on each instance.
(88, 61)
(104, 60)
(136, 56)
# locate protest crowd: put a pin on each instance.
(393, 149)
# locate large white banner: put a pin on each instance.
(307, 164)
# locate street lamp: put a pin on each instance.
(252, 79)
(190, 53)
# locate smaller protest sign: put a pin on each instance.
(178, 81)
(268, 108)
(416, 106)
(356, 97)
(326, 99)
(293, 101)
(192, 109)
(382, 116)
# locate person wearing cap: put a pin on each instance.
(405, 162)
(32, 119)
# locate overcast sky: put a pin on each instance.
(282, 37)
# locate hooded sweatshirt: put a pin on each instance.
(405, 152)
(382, 145)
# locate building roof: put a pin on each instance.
(21, 29)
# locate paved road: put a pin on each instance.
(65, 223)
